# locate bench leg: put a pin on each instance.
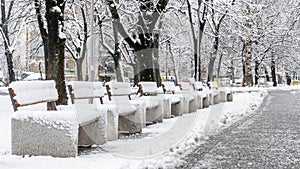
(192, 106)
(185, 104)
(216, 99)
(131, 123)
(206, 102)
(167, 108)
(230, 97)
(154, 115)
(94, 132)
(112, 125)
(223, 96)
(176, 109)
(199, 102)
(211, 99)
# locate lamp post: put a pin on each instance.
(91, 57)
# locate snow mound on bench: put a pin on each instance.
(28, 92)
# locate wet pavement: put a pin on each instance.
(269, 138)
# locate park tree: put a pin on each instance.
(272, 31)
(14, 17)
(77, 33)
(50, 16)
(141, 33)
(110, 38)
(218, 12)
(5, 16)
(176, 45)
(197, 20)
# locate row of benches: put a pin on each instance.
(93, 118)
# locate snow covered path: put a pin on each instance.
(267, 139)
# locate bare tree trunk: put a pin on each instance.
(173, 62)
(211, 67)
(232, 71)
(118, 67)
(267, 75)
(117, 56)
(247, 78)
(54, 45)
(148, 67)
(79, 63)
(145, 48)
(197, 40)
(4, 26)
(273, 70)
(81, 50)
(212, 59)
(43, 31)
(219, 65)
(145, 65)
(156, 59)
(256, 78)
(135, 72)
(10, 65)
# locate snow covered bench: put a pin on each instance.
(191, 97)
(226, 94)
(37, 131)
(155, 103)
(86, 98)
(202, 92)
(131, 113)
(168, 87)
(214, 93)
(178, 102)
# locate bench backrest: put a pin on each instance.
(24, 93)
(148, 88)
(185, 86)
(168, 87)
(118, 89)
(213, 85)
(86, 90)
(198, 86)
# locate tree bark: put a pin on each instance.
(117, 56)
(247, 78)
(267, 75)
(256, 70)
(212, 58)
(219, 65)
(5, 34)
(211, 67)
(10, 66)
(145, 49)
(273, 70)
(197, 40)
(232, 71)
(54, 45)
(173, 62)
(79, 63)
(81, 50)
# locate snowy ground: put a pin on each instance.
(160, 145)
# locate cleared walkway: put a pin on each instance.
(268, 139)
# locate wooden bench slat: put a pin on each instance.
(33, 103)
